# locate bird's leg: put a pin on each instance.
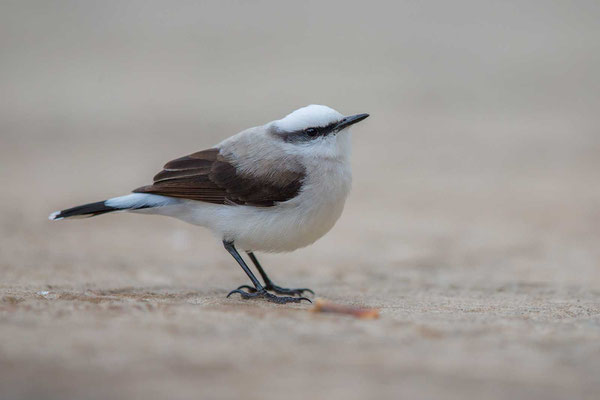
(258, 291)
(269, 285)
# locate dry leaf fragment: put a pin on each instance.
(358, 312)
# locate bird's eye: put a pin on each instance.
(311, 131)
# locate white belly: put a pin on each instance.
(287, 226)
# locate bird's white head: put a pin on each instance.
(316, 131)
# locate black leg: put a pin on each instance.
(258, 291)
(269, 285)
(233, 251)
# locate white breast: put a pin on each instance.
(302, 220)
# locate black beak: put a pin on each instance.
(351, 120)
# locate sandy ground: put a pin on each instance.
(485, 290)
(473, 224)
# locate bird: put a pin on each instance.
(276, 187)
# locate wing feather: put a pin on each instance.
(208, 176)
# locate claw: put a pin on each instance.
(304, 298)
(300, 291)
(237, 291)
(250, 288)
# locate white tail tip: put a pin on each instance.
(53, 216)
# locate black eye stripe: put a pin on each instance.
(320, 130)
(307, 134)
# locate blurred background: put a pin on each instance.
(473, 223)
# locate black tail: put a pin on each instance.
(86, 210)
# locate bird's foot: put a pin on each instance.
(279, 290)
(263, 294)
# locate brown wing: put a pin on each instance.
(207, 176)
